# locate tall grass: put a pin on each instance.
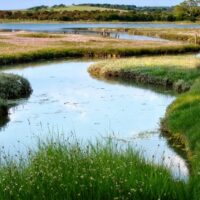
(68, 170)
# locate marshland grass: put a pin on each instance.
(69, 170)
(36, 46)
(175, 72)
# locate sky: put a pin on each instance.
(21, 4)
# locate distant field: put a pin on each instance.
(79, 8)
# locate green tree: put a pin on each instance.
(187, 10)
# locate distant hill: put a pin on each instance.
(81, 7)
(112, 6)
(98, 7)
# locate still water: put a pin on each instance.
(56, 27)
(67, 100)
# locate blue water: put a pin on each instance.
(67, 100)
(60, 26)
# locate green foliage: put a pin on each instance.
(13, 86)
(104, 12)
(3, 108)
(187, 10)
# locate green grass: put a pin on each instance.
(175, 72)
(90, 51)
(69, 170)
(183, 120)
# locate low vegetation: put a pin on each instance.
(69, 170)
(174, 72)
(11, 87)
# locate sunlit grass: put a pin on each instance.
(176, 72)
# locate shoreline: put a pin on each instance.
(178, 140)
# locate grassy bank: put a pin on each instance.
(11, 87)
(188, 35)
(182, 120)
(69, 170)
(88, 52)
(26, 47)
(174, 72)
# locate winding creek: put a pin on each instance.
(67, 100)
(83, 28)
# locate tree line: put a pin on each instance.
(188, 10)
